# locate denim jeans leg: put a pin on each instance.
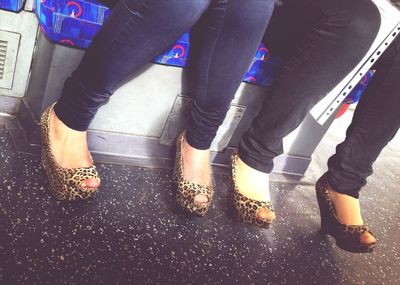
(375, 122)
(223, 43)
(135, 32)
(335, 37)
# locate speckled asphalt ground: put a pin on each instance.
(132, 232)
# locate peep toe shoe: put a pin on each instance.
(246, 208)
(186, 190)
(64, 183)
(348, 237)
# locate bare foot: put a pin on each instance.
(69, 148)
(348, 212)
(196, 168)
(254, 184)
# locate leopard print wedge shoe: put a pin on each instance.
(186, 190)
(348, 237)
(246, 208)
(64, 183)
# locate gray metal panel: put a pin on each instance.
(64, 60)
(25, 24)
(29, 123)
(9, 105)
(178, 118)
(142, 104)
(128, 146)
(308, 136)
(134, 150)
(252, 97)
(41, 67)
(227, 129)
(51, 66)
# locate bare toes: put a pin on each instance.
(91, 183)
(200, 199)
(265, 214)
(367, 238)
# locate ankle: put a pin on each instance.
(196, 164)
(347, 208)
(61, 131)
(68, 146)
(252, 183)
(191, 151)
(252, 173)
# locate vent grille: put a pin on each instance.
(9, 45)
(3, 55)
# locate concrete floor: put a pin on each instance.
(132, 232)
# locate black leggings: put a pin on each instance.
(321, 41)
(223, 43)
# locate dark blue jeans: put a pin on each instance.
(330, 37)
(224, 39)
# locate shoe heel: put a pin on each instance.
(325, 225)
(326, 221)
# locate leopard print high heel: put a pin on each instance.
(247, 208)
(348, 237)
(64, 183)
(186, 190)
